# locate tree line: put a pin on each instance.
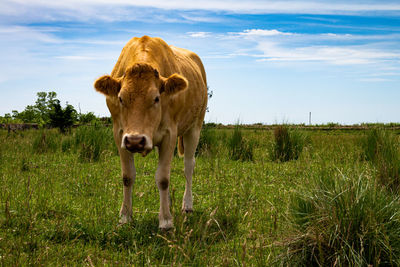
(47, 111)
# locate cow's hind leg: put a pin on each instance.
(190, 141)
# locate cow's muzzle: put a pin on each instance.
(136, 143)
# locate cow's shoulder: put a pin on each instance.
(190, 58)
(184, 53)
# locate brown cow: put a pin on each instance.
(156, 94)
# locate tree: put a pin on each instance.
(6, 118)
(29, 114)
(84, 118)
(62, 118)
(43, 104)
(38, 113)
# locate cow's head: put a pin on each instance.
(139, 94)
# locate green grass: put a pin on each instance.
(239, 147)
(381, 147)
(344, 220)
(287, 144)
(46, 141)
(208, 143)
(59, 209)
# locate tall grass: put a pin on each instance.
(89, 141)
(239, 147)
(92, 141)
(341, 220)
(287, 145)
(46, 141)
(208, 142)
(57, 211)
(381, 147)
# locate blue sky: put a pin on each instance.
(266, 61)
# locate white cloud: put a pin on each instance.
(27, 34)
(261, 33)
(271, 45)
(85, 58)
(253, 6)
(374, 80)
(107, 10)
(200, 18)
(337, 55)
(199, 34)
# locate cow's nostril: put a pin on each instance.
(135, 143)
(143, 141)
(126, 141)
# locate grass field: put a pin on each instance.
(60, 200)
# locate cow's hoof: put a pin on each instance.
(187, 210)
(187, 207)
(166, 225)
(125, 219)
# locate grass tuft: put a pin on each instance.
(67, 143)
(92, 141)
(382, 149)
(341, 220)
(208, 142)
(239, 147)
(287, 145)
(46, 141)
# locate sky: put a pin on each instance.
(266, 61)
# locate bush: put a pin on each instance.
(382, 149)
(343, 221)
(86, 118)
(62, 118)
(46, 141)
(240, 148)
(208, 142)
(287, 144)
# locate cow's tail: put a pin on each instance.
(181, 149)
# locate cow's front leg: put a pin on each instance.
(166, 151)
(128, 178)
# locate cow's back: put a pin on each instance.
(195, 97)
(185, 108)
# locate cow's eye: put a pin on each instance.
(157, 99)
(120, 99)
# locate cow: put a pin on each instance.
(157, 96)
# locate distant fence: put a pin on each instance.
(18, 126)
(26, 126)
(305, 127)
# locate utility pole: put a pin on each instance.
(309, 119)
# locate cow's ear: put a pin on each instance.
(107, 85)
(173, 84)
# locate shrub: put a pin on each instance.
(343, 220)
(382, 149)
(46, 141)
(86, 118)
(332, 124)
(239, 147)
(208, 142)
(287, 144)
(62, 118)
